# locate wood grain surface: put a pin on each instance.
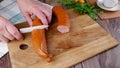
(108, 59)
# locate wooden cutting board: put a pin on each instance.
(85, 39)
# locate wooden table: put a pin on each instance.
(107, 59)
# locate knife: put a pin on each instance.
(29, 29)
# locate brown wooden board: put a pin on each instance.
(85, 39)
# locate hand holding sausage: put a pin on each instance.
(32, 7)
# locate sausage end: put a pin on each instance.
(49, 58)
(63, 29)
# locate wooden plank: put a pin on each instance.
(82, 42)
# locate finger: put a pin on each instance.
(41, 16)
(47, 10)
(14, 32)
(8, 35)
(3, 39)
(48, 15)
(28, 18)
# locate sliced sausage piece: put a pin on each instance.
(63, 19)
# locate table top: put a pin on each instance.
(107, 59)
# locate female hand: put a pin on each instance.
(8, 31)
(32, 7)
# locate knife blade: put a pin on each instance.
(29, 29)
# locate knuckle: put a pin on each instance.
(35, 7)
(1, 28)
